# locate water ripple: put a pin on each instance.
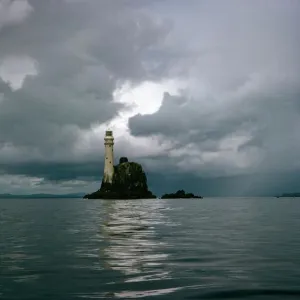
(174, 249)
(247, 293)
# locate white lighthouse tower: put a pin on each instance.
(109, 157)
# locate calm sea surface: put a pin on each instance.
(231, 248)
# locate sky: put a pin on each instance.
(205, 94)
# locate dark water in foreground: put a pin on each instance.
(155, 249)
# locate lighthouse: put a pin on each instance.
(109, 157)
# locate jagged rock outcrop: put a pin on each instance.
(179, 195)
(129, 182)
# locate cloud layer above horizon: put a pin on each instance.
(196, 89)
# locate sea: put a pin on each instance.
(211, 248)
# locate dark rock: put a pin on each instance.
(180, 194)
(129, 182)
(123, 160)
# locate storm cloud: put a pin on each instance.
(60, 67)
(227, 73)
(239, 113)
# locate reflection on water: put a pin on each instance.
(134, 248)
(132, 245)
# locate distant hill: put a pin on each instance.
(41, 196)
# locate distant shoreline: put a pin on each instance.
(40, 196)
(289, 195)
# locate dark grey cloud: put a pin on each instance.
(56, 171)
(268, 119)
(82, 50)
(13, 12)
(245, 90)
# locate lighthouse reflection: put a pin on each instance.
(132, 246)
